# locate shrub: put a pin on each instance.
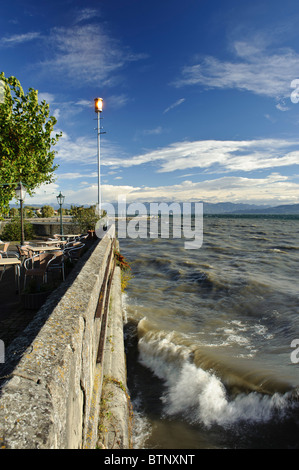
(12, 230)
(125, 269)
(47, 211)
(85, 218)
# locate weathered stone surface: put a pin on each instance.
(116, 416)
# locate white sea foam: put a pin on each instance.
(199, 395)
(141, 426)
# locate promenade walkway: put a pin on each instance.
(13, 317)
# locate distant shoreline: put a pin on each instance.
(228, 215)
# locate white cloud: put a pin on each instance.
(174, 105)
(45, 194)
(83, 150)
(86, 14)
(83, 103)
(80, 149)
(274, 189)
(48, 97)
(86, 53)
(116, 101)
(254, 69)
(2, 90)
(75, 175)
(16, 39)
(217, 155)
(155, 131)
(282, 107)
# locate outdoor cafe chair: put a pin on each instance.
(71, 245)
(8, 253)
(37, 266)
(82, 237)
(5, 248)
(24, 253)
(4, 251)
(57, 263)
(74, 252)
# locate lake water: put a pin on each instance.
(208, 336)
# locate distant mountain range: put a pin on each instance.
(221, 208)
(242, 209)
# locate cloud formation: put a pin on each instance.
(87, 53)
(254, 69)
(216, 155)
(273, 189)
(83, 150)
(174, 105)
(16, 39)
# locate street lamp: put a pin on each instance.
(60, 200)
(98, 107)
(20, 194)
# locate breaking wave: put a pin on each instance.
(204, 390)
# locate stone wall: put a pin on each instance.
(47, 227)
(51, 382)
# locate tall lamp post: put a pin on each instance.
(20, 194)
(98, 107)
(60, 200)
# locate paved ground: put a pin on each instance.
(13, 317)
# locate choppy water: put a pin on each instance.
(209, 333)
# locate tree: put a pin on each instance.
(84, 217)
(28, 211)
(26, 141)
(13, 212)
(47, 211)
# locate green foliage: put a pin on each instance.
(12, 230)
(29, 211)
(26, 140)
(14, 212)
(126, 270)
(84, 217)
(47, 211)
(121, 261)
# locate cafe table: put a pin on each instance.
(41, 248)
(16, 262)
(69, 236)
(47, 242)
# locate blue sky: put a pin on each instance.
(200, 97)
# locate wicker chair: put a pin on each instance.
(24, 253)
(37, 266)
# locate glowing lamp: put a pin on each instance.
(98, 105)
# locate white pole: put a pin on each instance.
(98, 110)
(99, 167)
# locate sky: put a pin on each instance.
(200, 98)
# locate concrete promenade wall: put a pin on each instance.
(51, 382)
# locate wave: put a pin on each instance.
(203, 389)
(285, 248)
(201, 397)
